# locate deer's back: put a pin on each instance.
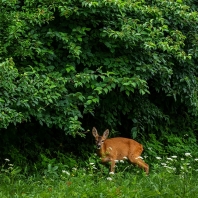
(122, 147)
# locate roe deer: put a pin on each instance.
(119, 148)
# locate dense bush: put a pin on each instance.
(127, 65)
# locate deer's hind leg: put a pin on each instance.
(136, 159)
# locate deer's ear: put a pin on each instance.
(105, 134)
(95, 132)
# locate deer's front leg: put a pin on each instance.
(105, 159)
(112, 169)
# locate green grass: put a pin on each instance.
(170, 177)
(122, 185)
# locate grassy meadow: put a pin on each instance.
(171, 177)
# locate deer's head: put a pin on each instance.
(100, 139)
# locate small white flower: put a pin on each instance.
(109, 178)
(174, 156)
(121, 161)
(196, 159)
(11, 164)
(111, 173)
(91, 163)
(169, 159)
(66, 172)
(116, 161)
(163, 164)
(74, 169)
(7, 160)
(188, 154)
(145, 156)
(196, 170)
(182, 159)
(149, 148)
(159, 158)
(125, 158)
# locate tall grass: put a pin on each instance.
(170, 177)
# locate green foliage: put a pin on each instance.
(163, 181)
(66, 63)
(170, 144)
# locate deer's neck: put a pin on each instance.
(102, 150)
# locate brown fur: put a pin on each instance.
(118, 149)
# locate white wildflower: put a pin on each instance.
(121, 161)
(145, 156)
(182, 159)
(174, 156)
(116, 161)
(163, 164)
(196, 159)
(91, 163)
(169, 159)
(125, 158)
(188, 154)
(159, 158)
(109, 178)
(111, 173)
(7, 160)
(66, 172)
